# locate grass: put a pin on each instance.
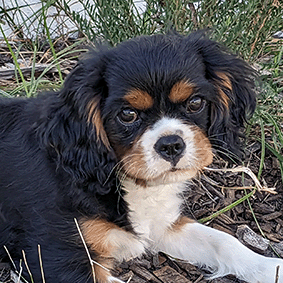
(269, 118)
(246, 27)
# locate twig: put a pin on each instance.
(26, 263)
(20, 273)
(92, 262)
(40, 263)
(87, 251)
(277, 274)
(247, 171)
(14, 266)
(130, 278)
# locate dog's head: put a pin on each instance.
(158, 105)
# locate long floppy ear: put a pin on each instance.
(236, 100)
(73, 130)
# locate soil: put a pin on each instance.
(204, 198)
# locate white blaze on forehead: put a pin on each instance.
(165, 127)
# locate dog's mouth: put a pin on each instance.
(173, 175)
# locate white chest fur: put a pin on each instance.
(153, 209)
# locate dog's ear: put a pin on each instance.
(74, 130)
(235, 102)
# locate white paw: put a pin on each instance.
(112, 279)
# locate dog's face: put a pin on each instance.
(157, 111)
(161, 103)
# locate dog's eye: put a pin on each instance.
(128, 116)
(195, 104)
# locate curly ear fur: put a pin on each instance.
(234, 81)
(73, 130)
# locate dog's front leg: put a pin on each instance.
(220, 252)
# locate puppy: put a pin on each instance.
(114, 150)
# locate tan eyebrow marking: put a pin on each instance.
(139, 99)
(181, 91)
(225, 83)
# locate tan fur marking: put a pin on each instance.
(139, 99)
(224, 98)
(95, 233)
(94, 117)
(180, 223)
(204, 151)
(225, 83)
(181, 91)
(110, 243)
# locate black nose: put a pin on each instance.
(170, 148)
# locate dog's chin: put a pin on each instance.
(173, 175)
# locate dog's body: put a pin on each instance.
(114, 149)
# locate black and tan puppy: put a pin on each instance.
(114, 149)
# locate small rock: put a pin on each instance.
(278, 248)
(249, 238)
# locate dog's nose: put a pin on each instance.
(170, 148)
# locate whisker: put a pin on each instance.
(120, 163)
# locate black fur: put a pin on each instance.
(53, 165)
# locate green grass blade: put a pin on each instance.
(51, 43)
(227, 208)
(262, 155)
(15, 60)
(4, 93)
